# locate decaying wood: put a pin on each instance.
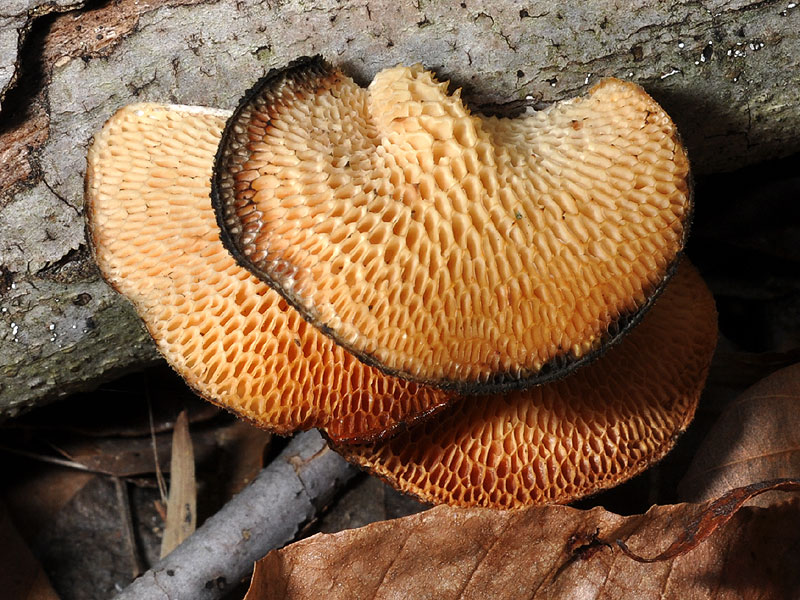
(16, 19)
(728, 72)
(267, 514)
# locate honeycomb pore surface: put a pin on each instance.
(471, 253)
(563, 440)
(230, 336)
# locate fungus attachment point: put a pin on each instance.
(566, 439)
(229, 335)
(475, 254)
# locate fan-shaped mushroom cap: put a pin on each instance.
(472, 253)
(557, 442)
(231, 337)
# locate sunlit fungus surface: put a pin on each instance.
(569, 438)
(475, 254)
(481, 311)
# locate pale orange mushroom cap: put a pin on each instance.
(570, 438)
(476, 254)
(509, 257)
(232, 338)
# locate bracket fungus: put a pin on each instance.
(358, 260)
(474, 254)
(230, 336)
(569, 438)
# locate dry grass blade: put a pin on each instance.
(182, 504)
(268, 513)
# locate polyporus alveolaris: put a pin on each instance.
(230, 336)
(475, 254)
(470, 253)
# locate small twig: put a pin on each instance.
(267, 514)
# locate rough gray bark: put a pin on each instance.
(727, 71)
(267, 514)
(16, 18)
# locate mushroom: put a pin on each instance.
(570, 438)
(474, 254)
(240, 344)
(232, 338)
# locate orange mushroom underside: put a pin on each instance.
(566, 439)
(239, 343)
(230, 336)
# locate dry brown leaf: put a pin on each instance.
(21, 575)
(119, 457)
(39, 493)
(182, 504)
(739, 370)
(712, 517)
(756, 438)
(541, 552)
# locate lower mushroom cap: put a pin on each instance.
(231, 337)
(563, 440)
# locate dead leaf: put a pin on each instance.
(120, 457)
(737, 369)
(182, 504)
(132, 456)
(38, 492)
(714, 516)
(84, 547)
(21, 575)
(756, 438)
(81, 538)
(541, 552)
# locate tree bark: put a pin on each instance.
(728, 73)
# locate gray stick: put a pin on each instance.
(265, 515)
